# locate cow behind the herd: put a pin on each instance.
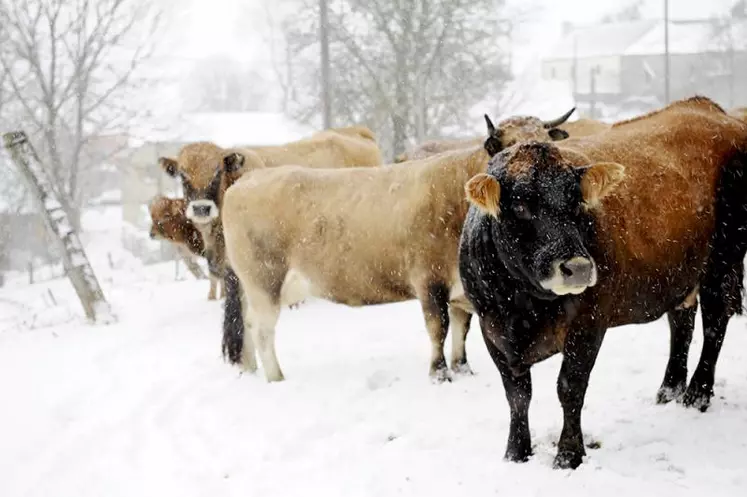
(563, 242)
(514, 134)
(170, 222)
(358, 237)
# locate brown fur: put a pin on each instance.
(655, 227)
(170, 223)
(584, 127)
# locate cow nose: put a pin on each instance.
(577, 270)
(201, 210)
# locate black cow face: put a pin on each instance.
(542, 223)
(200, 191)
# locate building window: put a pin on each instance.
(552, 73)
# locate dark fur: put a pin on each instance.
(233, 324)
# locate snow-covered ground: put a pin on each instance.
(146, 406)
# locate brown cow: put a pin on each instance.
(357, 237)
(564, 242)
(516, 129)
(206, 170)
(170, 223)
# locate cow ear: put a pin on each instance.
(233, 162)
(484, 191)
(169, 165)
(599, 180)
(557, 134)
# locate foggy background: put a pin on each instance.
(105, 87)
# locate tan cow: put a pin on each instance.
(513, 127)
(356, 237)
(206, 170)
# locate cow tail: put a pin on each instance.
(233, 321)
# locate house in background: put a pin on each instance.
(617, 69)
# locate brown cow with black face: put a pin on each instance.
(565, 241)
(512, 130)
(207, 170)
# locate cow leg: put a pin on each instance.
(263, 316)
(248, 351)
(519, 395)
(579, 355)
(221, 288)
(681, 324)
(460, 320)
(211, 292)
(434, 300)
(715, 319)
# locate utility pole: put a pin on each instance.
(666, 52)
(324, 42)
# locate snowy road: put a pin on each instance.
(147, 407)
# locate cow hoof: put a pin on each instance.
(211, 297)
(567, 459)
(667, 394)
(697, 396)
(518, 454)
(440, 375)
(462, 369)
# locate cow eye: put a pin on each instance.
(522, 211)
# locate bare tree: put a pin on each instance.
(70, 66)
(408, 69)
(74, 258)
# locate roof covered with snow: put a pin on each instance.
(601, 39)
(689, 38)
(647, 38)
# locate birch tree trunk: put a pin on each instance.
(57, 222)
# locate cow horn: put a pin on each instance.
(558, 121)
(491, 128)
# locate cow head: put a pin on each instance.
(542, 221)
(206, 171)
(523, 128)
(170, 223)
(167, 214)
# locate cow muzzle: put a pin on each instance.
(202, 211)
(571, 276)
